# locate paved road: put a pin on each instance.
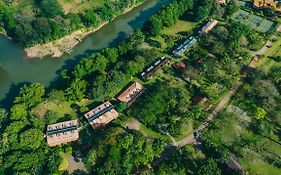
(226, 99)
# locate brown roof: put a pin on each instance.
(267, 3)
(131, 93)
(101, 115)
(180, 66)
(62, 132)
(209, 26)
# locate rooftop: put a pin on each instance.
(183, 47)
(209, 26)
(101, 115)
(267, 4)
(131, 93)
(154, 67)
(62, 132)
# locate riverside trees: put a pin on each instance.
(44, 20)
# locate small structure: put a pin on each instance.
(221, 1)
(62, 132)
(148, 73)
(209, 26)
(101, 115)
(267, 4)
(201, 100)
(183, 47)
(131, 93)
(234, 164)
(180, 66)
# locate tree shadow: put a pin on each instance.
(7, 102)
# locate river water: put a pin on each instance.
(16, 69)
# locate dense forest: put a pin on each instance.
(41, 21)
(166, 112)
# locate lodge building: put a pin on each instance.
(153, 68)
(131, 93)
(62, 132)
(101, 115)
(208, 27)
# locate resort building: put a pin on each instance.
(209, 26)
(221, 1)
(62, 132)
(180, 66)
(101, 115)
(183, 47)
(276, 5)
(131, 93)
(150, 71)
(201, 100)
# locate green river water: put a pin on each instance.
(16, 69)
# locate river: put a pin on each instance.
(16, 69)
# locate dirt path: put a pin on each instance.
(133, 124)
(74, 166)
(190, 139)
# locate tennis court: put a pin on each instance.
(265, 26)
(240, 15)
(255, 22)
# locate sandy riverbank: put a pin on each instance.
(58, 47)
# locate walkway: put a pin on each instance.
(190, 139)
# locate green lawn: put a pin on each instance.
(150, 133)
(180, 26)
(275, 49)
(265, 64)
(64, 164)
(61, 109)
(187, 129)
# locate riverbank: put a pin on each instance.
(57, 48)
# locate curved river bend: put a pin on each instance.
(16, 69)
